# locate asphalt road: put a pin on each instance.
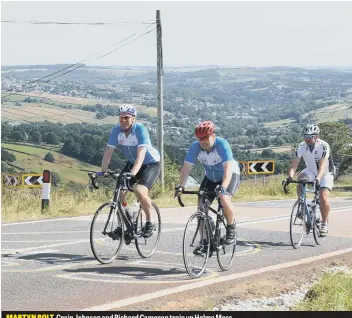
(48, 265)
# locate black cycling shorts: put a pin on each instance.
(146, 175)
(210, 185)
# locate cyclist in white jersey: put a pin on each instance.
(319, 168)
(222, 173)
(143, 159)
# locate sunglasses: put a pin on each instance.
(309, 136)
(203, 138)
(126, 117)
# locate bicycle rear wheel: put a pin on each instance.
(196, 245)
(317, 226)
(146, 246)
(224, 253)
(297, 224)
(105, 239)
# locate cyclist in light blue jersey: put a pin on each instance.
(222, 173)
(143, 159)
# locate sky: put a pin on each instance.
(229, 33)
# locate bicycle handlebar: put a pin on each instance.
(313, 183)
(200, 193)
(126, 176)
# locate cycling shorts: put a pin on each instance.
(210, 185)
(146, 175)
(327, 181)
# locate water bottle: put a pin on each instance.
(134, 211)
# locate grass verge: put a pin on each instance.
(333, 292)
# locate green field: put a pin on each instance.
(331, 113)
(278, 123)
(45, 111)
(68, 168)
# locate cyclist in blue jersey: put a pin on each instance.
(222, 173)
(143, 159)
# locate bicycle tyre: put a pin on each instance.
(224, 253)
(192, 240)
(316, 228)
(109, 240)
(296, 234)
(147, 246)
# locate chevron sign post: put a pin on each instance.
(32, 180)
(11, 180)
(243, 167)
(261, 167)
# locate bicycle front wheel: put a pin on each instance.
(146, 244)
(317, 226)
(297, 224)
(106, 233)
(225, 253)
(196, 245)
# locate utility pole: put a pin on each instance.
(160, 74)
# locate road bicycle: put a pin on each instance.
(112, 224)
(202, 237)
(305, 216)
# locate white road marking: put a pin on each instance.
(198, 284)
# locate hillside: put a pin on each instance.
(31, 158)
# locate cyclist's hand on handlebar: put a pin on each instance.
(220, 191)
(100, 173)
(317, 183)
(178, 190)
(287, 181)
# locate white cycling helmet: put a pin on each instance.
(128, 110)
(311, 130)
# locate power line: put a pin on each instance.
(37, 80)
(67, 67)
(126, 43)
(78, 23)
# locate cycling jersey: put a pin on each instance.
(214, 159)
(138, 137)
(313, 155)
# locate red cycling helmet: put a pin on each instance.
(206, 128)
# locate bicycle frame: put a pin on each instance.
(121, 185)
(303, 198)
(204, 208)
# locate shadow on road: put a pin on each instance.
(131, 271)
(51, 258)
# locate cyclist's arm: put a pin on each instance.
(227, 174)
(185, 171)
(141, 151)
(324, 161)
(322, 167)
(293, 167)
(107, 158)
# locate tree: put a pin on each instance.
(49, 157)
(338, 136)
(7, 156)
(52, 138)
(6, 130)
(36, 136)
(17, 135)
(100, 115)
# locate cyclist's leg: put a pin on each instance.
(307, 175)
(127, 168)
(207, 185)
(326, 185)
(229, 211)
(146, 176)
